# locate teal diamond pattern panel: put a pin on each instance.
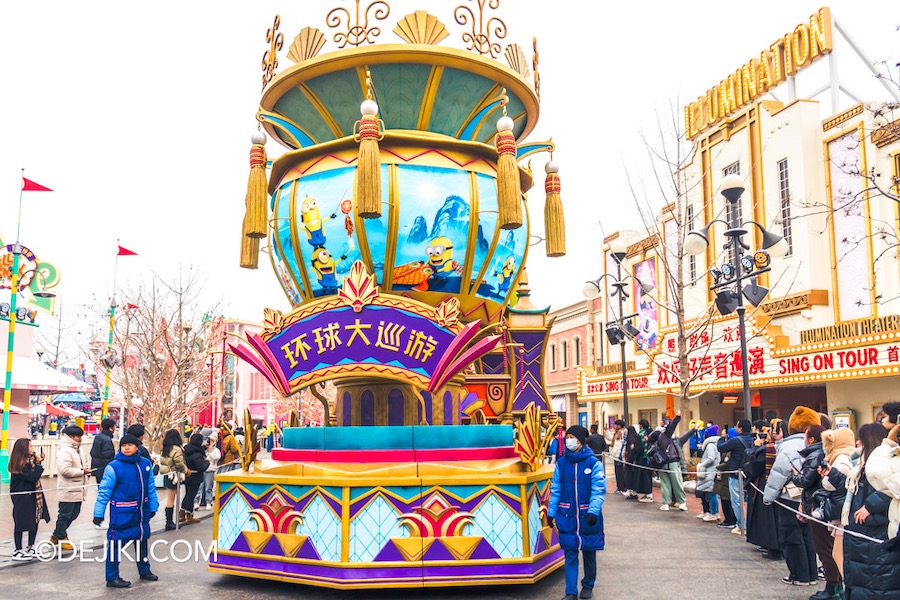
(534, 522)
(500, 526)
(371, 529)
(323, 527)
(234, 517)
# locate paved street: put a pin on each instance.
(650, 554)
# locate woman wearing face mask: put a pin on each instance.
(577, 491)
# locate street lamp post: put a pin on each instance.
(728, 279)
(620, 330)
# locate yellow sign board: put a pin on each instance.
(788, 54)
(849, 329)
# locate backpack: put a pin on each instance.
(754, 465)
(656, 456)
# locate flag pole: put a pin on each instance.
(109, 343)
(10, 345)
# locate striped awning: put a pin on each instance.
(32, 375)
(558, 404)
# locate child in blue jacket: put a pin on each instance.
(128, 488)
(577, 491)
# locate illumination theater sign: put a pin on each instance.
(359, 333)
(783, 58)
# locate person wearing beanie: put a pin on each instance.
(797, 546)
(71, 483)
(577, 492)
(138, 431)
(127, 488)
(706, 475)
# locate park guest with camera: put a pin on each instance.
(28, 504)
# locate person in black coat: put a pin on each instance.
(195, 461)
(103, 450)
(871, 572)
(596, 442)
(762, 520)
(29, 506)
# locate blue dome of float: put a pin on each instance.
(438, 233)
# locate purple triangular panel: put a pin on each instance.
(484, 550)
(307, 550)
(273, 548)
(240, 544)
(539, 546)
(438, 552)
(389, 553)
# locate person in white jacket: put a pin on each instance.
(706, 475)
(797, 545)
(71, 474)
(883, 472)
(213, 456)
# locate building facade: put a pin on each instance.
(573, 343)
(827, 334)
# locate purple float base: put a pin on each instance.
(415, 575)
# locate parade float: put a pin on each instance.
(397, 224)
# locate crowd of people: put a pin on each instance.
(824, 500)
(126, 490)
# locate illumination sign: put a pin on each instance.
(788, 54)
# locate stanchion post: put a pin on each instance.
(177, 509)
(743, 502)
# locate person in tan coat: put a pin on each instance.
(171, 465)
(71, 482)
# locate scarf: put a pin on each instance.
(770, 458)
(38, 501)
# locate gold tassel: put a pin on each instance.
(367, 193)
(249, 249)
(257, 215)
(554, 221)
(509, 188)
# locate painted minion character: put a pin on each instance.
(506, 275)
(312, 222)
(324, 266)
(440, 256)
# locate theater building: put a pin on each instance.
(827, 334)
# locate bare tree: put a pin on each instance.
(164, 335)
(670, 181)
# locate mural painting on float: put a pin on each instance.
(433, 232)
(325, 229)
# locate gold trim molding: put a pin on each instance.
(793, 304)
(842, 117)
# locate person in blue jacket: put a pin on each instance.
(128, 488)
(577, 491)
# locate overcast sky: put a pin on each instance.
(139, 116)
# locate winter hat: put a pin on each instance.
(73, 431)
(838, 442)
(732, 432)
(129, 439)
(802, 419)
(579, 432)
(137, 430)
(712, 431)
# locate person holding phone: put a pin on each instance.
(29, 506)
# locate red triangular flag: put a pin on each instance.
(130, 306)
(30, 186)
(126, 252)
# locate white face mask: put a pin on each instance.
(572, 444)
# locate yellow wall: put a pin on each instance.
(862, 395)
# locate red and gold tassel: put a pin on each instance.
(509, 188)
(554, 221)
